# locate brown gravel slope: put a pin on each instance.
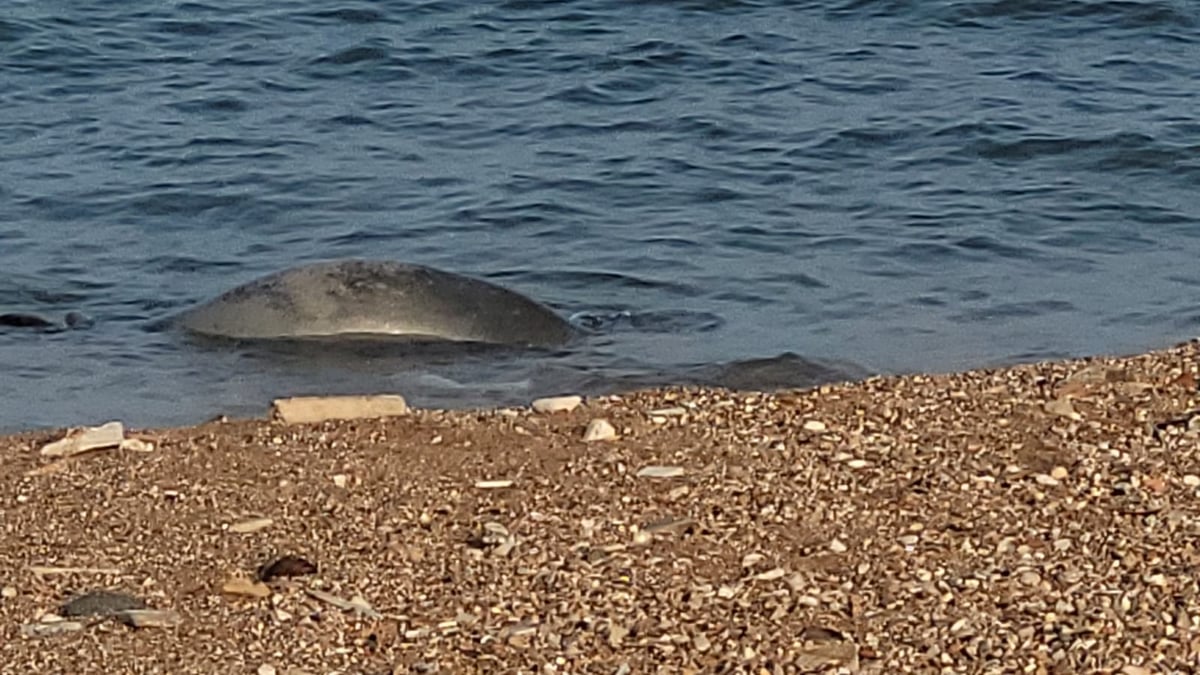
(1040, 519)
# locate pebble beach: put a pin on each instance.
(1042, 518)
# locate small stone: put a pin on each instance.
(1030, 578)
(815, 426)
(493, 484)
(8, 592)
(356, 604)
(669, 412)
(858, 464)
(655, 471)
(149, 618)
(136, 445)
(287, 566)
(246, 587)
(340, 480)
(40, 630)
(79, 441)
(752, 559)
(505, 548)
(252, 525)
(1191, 480)
(1059, 473)
(266, 669)
(599, 430)
(553, 404)
(1046, 480)
(310, 409)
(701, 643)
(672, 525)
(837, 546)
(771, 575)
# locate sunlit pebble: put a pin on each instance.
(552, 404)
(599, 430)
(1191, 480)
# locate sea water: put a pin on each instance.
(744, 193)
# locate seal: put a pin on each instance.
(376, 298)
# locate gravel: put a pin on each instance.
(1036, 519)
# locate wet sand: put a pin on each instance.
(1037, 519)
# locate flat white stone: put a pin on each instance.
(655, 471)
(553, 404)
(310, 409)
(107, 435)
(599, 430)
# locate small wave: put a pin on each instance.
(348, 15)
(655, 321)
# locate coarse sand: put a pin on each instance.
(1035, 519)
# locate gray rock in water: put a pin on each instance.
(41, 324)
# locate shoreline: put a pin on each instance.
(1036, 518)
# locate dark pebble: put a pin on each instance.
(287, 566)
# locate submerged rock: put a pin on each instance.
(42, 324)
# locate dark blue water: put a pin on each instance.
(901, 185)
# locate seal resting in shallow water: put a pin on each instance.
(376, 298)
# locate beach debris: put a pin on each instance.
(815, 426)
(149, 618)
(50, 626)
(252, 525)
(656, 471)
(599, 430)
(101, 603)
(553, 404)
(246, 587)
(493, 484)
(354, 604)
(310, 409)
(136, 445)
(287, 566)
(77, 441)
